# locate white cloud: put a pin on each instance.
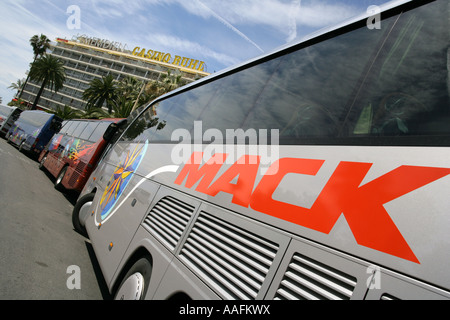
(281, 15)
(221, 33)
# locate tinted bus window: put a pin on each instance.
(90, 127)
(5, 111)
(79, 129)
(407, 93)
(72, 127)
(99, 131)
(352, 89)
(7, 117)
(64, 126)
(35, 119)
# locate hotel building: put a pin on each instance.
(88, 58)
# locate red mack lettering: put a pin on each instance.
(361, 205)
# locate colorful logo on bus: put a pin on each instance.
(120, 179)
(80, 149)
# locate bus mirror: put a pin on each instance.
(110, 131)
(55, 125)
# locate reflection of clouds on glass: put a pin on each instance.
(448, 70)
(392, 81)
(412, 95)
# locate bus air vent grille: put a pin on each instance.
(167, 220)
(231, 260)
(308, 279)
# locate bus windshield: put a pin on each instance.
(5, 111)
(35, 119)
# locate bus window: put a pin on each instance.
(64, 126)
(72, 127)
(8, 115)
(407, 94)
(99, 131)
(91, 126)
(80, 128)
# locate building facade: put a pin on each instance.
(88, 58)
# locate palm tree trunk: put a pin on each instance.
(36, 100)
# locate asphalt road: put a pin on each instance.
(41, 256)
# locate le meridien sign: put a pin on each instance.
(101, 43)
(167, 58)
(183, 62)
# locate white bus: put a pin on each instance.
(318, 171)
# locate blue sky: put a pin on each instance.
(221, 33)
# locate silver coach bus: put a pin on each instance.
(318, 171)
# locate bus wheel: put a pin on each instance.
(135, 283)
(81, 211)
(59, 179)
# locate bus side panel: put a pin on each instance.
(179, 279)
(57, 151)
(112, 233)
(415, 206)
(80, 160)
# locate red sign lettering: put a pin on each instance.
(361, 205)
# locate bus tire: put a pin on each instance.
(80, 212)
(135, 283)
(59, 179)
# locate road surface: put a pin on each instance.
(41, 256)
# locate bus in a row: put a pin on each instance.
(7, 117)
(72, 153)
(32, 130)
(317, 171)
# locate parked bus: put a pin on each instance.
(7, 117)
(72, 154)
(351, 202)
(33, 130)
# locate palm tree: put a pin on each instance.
(95, 113)
(40, 44)
(67, 112)
(156, 88)
(50, 71)
(129, 91)
(129, 87)
(171, 81)
(101, 91)
(17, 86)
(124, 107)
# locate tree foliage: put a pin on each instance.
(122, 97)
(49, 71)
